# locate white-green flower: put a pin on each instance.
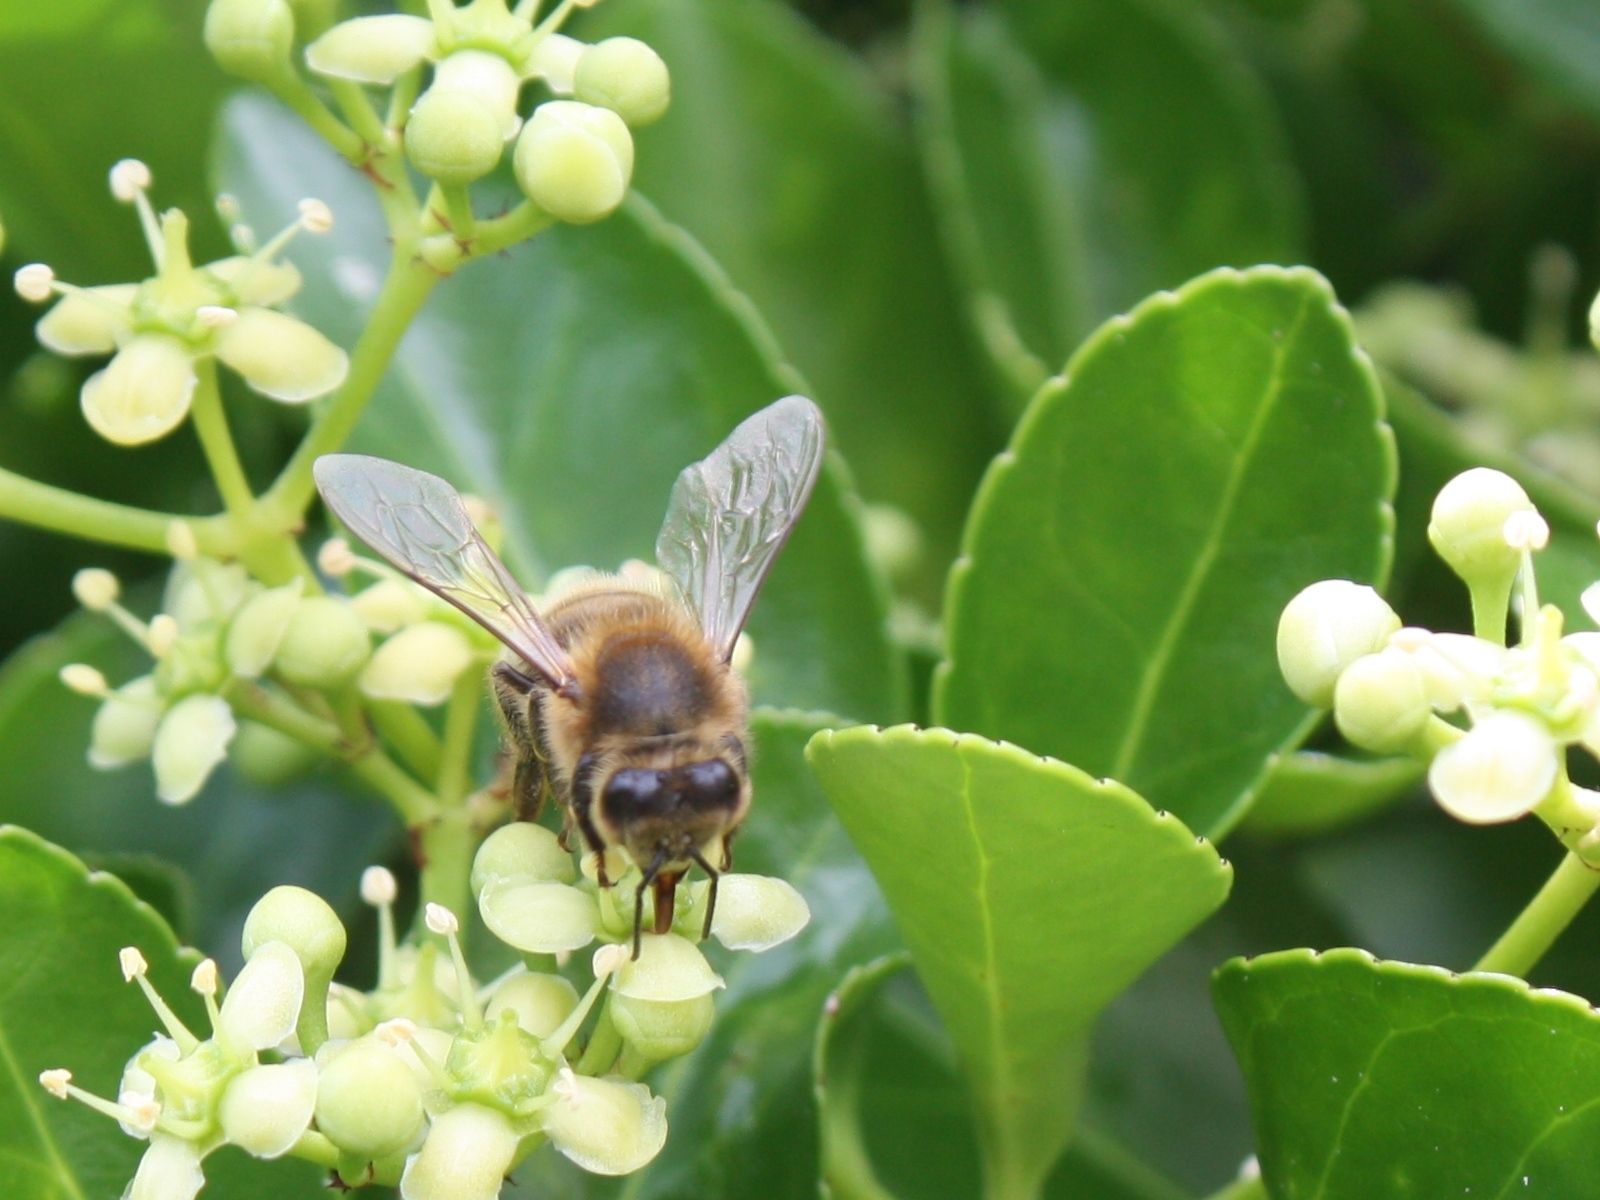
(1505, 765)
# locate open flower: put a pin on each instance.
(162, 333)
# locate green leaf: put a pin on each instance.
(65, 1004)
(787, 160)
(1309, 792)
(1138, 152)
(1557, 40)
(1370, 1080)
(1202, 460)
(234, 841)
(568, 383)
(1029, 895)
(739, 1108)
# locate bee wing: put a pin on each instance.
(731, 512)
(418, 522)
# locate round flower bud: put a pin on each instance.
(521, 851)
(540, 918)
(454, 137)
(324, 645)
(1381, 702)
(263, 755)
(388, 605)
(301, 920)
(190, 740)
(258, 627)
(420, 664)
(369, 1103)
(281, 357)
(540, 1002)
(555, 59)
(250, 38)
(124, 727)
(607, 1126)
(626, 76)
(1324, 629)
(756, 912)
(266, 1110)
(465, 1157)
(486, 77)
(143, 393)
(575, 160)
(1499, 771)
(662, 1029)
(1469, 521)
(669, 967)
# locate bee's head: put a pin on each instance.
(671, 809)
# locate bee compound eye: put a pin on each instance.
(634, 790)
(711, 783)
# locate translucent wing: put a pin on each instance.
(418, 522)
(731, 513)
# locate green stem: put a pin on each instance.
(317, 1148)
(463, 222)
(604, 1045)
(211, 425)
(460, 723)
(411, 800)
(1551, 911)
(294, 92)
(447, 844)
(61, 511)
(358, 110)
(404, 293)
(412, 738)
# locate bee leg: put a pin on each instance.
(727, 850)
(578, 813)
(714, 875)
(638, 895)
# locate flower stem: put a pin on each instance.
(605, 1043)
(211, 425)
(57, 509)
(446, 845)
(460, 722)
(1551, 911)
(412, 738)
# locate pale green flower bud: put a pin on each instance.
(301, 920)
(555, 60)
(486, 77)
(662, 1029)
(607, 1126)
(369, 1102)
(419, 664)
(540, 1002)
(260, 1008)
(191, 739)
(169, 1170)
(372, 49)
(266, 1110)
(325, 644)
(1381, 702)
(669, 967)
(281, 357)
(521, 851)
(540, 918)
(258, 627)
(250, 38)
(626, 76)
(575, 160)
(144, 393)
(388, 605)
(1324, 629)
(125, 724)
(1469, 522)
(454, 137)
(77, 324)
(195, 603)
(465, 1157)
(264, 755)
(262, 284)
(757, 912)
(1505, 765)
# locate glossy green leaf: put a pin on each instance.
(65, 1005)
(234, 841)
(1202, 460)
(1374, 1080)
(787, 160)
(568, 383)
(1087, 154)
(1029, 895)
(1309, 792)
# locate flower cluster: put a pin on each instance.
(164, 333)
(431, 1081)
(573, 157)
(1493, 721)
(227, 650)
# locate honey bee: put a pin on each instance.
(619, 698)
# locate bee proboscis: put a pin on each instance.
(620, 698)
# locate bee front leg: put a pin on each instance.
(515, 694)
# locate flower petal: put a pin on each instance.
(190, 741)
(265, 1110)
(419, 664)
(281, 357)
(144, 393)
(264, 284)
(263, 1004)
(169, 1170)
(757, 912)
(80, 325)
(539, 917)
(465, 1157)
(669, 967)
(607, 1126)
(1499, 771)
(125, 724)
(372, 49)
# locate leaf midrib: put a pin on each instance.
(1155, 670)
(30, 1105)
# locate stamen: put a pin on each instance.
(228, 210)
(606, 960)
(335, 558)
(35, 282)
(136, 970)
(378, 889)
(85, 680)
(216, 316)
(96, 588)
(137, 1111)
(1525, 530)
(163, 635)
(55, 1082)
(181, 543)
(243, 238)
(205, 981)
(441, 920)
(315, 216)
(396, 1032)
(129, 177)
